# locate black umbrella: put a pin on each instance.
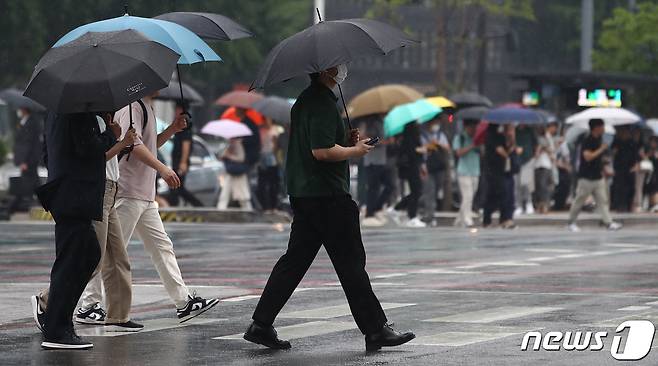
(468, 99)
(328, 44)
(101, 71)
(208, 25)
(15, 98)
(473, 113)
(276, 108)
(172, 92)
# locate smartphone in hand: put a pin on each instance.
(373, 141)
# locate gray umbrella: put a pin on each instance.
(101, 71)
(172, 92)
(15, 98)
(469, 99)
(474, 113)
(208, 25)
(276, 108)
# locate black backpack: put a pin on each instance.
(145, 117)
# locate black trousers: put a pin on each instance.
(77, 254)
(380, 187)
(499, 197)
(334, 223)
(622, 191)
(183, 193)
(268, 187)
(23, 194)
(412, 175)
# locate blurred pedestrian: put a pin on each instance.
(652, 183)
(468, 171)
(323, 214)
(137, 209)
(590, 177)
(379, 174)
(412, 169)
(545, 168)
(27, 157)
(268, 169)
(625, 156)
(236, 181)
(526, 139)
(501, 164)
(437, 146)
(252, 151)
(180, 161)
(75, 157)
(114, 266)
(642, 170)
(565, 171)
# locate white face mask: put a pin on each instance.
(19, 114)
(341, 75)
(435, 128)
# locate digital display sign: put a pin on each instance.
(530, 98)
(599, 97)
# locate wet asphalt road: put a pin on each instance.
(469, 296)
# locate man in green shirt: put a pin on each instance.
(324, 213)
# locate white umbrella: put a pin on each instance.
(226, 128)
(653, 123)
(611, 117)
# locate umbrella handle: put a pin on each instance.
(349, 123)
(182, 99)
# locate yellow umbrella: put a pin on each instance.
(442, 102)
(381, 99)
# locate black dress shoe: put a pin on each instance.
(387, 337)
(265, 336)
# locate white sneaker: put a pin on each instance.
(394, 215)
(381, 216)
(529, 209)
(614, 226)
(573, 228)
(372, 222)
(415, 223)
(518, 212)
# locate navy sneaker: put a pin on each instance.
(129, 326)
(69, 340)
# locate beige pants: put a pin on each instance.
(596, 188)
(467, 187)
(113, 268)
(143, 218)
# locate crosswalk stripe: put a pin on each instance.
(304, 330)
(241, 298)
(458, 339)
(329, 312)
(493, 314)
(635, 308)
(152, 325)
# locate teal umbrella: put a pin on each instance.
(420, 110)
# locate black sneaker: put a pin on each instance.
(38, 313)
(69, 340)
(91, 315)
(195, 306)
(129, 326)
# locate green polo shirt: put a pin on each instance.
(316, 124)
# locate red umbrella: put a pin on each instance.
(230, 113)
(239, 98)
(481, 133)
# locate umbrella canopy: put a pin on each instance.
(226, 128)
(653, 124)
(574, 132)
(239, 98)
(208, 25)
(102, 71)
(610, 116)
(327, 44)
(442, 102)
(402, 115)
(231, 113)
(473, 113)
(381, 99)
(188, 45)
(16, 99)
(468, 99)
(274, 107)
(172, 92)
(509, 115)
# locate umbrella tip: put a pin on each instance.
(125, 9)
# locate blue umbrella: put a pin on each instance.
(508, 115)
(180, 39)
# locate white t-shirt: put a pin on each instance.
(544, 160)
(112, 165)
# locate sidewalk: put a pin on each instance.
(444, 219)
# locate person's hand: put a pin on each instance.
(112, 125)
(183, 168)
(170, 177)
(130, 138)
(180, 123)
(423, 171)
(604, 146)
(362, 148)
(354, 136)
(23, 167)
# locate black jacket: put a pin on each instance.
(27, 142)
(75, 155)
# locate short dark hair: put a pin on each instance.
(314, 76)
(595, 122)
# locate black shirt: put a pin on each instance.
(626, 156)
(177, 151)
(592, 169)
(494, 162)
